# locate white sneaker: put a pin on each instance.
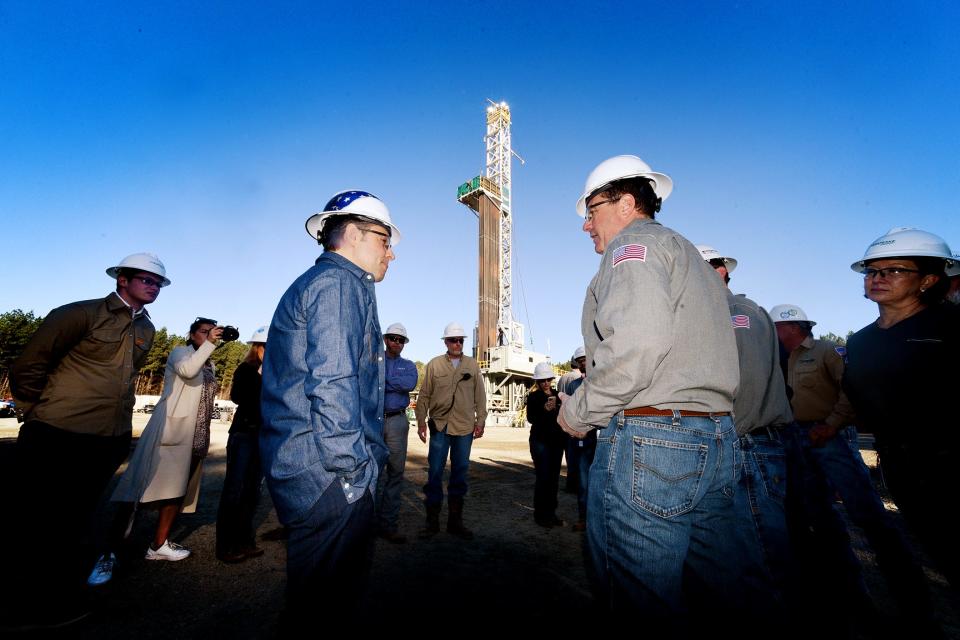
(168, 551)
(102, 571)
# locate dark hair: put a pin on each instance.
(933, 267)
(640, 188)
(332, 233)
(199, 321)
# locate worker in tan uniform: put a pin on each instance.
(832, 464)
(661, 375)
(453, 405)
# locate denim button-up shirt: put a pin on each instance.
(322, 398)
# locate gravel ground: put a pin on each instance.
(513, 571)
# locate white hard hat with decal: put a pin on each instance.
(906, 242)
(789, 313)
(708, 253)
(357, 203)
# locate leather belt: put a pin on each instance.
(390, 414)
(653, 411)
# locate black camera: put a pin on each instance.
(229, 334)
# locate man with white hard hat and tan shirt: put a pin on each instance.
(661, 375)
(75, 380)
(453, 404)
(400, 378)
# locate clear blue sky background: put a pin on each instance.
(796, 133)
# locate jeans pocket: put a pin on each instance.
(667, 475)
(773, 473)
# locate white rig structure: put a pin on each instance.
(506, 365)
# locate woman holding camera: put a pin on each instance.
(164, 470)
(547, 443)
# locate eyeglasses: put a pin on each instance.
(387, 244)
(399, 339)
(150, 282)
(895, 272)
(453, 340)
(591, 209)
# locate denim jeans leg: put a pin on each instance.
(661, 504)
(459, 464)
(844, 468)
(584, 459)
(395, 431)
(437, 462)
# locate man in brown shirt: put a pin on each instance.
(832, 464)
(453, 404)
(75, 381)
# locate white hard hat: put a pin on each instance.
(708, 253)
(954, 270)
(617, 168)
(905, 242)
(142, 262)
(454, 330)
(543, 371)
(397, 329)
(789, 313)
(260, 335)
(357, 203)
(579, 353)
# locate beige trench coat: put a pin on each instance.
(159, 468)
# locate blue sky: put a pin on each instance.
(795, 132)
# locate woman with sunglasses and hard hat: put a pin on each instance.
(901, 378)
(165, 468)
(547, 442)
(236, 540)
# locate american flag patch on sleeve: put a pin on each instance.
(740, 322)
(629, 252)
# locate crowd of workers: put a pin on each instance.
(708, 439)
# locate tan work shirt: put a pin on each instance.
(656, 330)
(452, 402)
(814, 372)
(78, 371)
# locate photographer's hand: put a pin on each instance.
(214, 334)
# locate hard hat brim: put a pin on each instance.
(314, 224)
(113, 272)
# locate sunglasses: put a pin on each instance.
(399, 339)
(453, 340)
(150, 282)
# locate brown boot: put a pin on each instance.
(455, 519)
(432, 525)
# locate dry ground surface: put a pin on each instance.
(513, 572)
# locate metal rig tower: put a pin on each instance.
(498, 339)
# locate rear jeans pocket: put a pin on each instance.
(667, 475)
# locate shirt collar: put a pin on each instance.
(115, 303)
(336, 258)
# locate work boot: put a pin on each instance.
(432, 526)
(455, 519)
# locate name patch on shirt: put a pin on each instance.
(629, 252)
(740, 322)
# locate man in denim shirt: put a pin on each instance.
(322, 404)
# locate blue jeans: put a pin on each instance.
(580, 456)
(837, 466)
(395, 431)
(459, 449)
(662, 516)
(241, 493)
(764, 483)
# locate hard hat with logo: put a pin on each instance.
(454, 330)
(543, 371)
(954, 270)
(579, 353)
(397, 329)
(260, 335)
(357, 203)
(905, 242)
(618, 168)
(708, 253)
(148, 262)
(789, 313)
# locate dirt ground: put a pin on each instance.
(513, 571)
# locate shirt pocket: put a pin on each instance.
(805, 374)
(102, 345)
